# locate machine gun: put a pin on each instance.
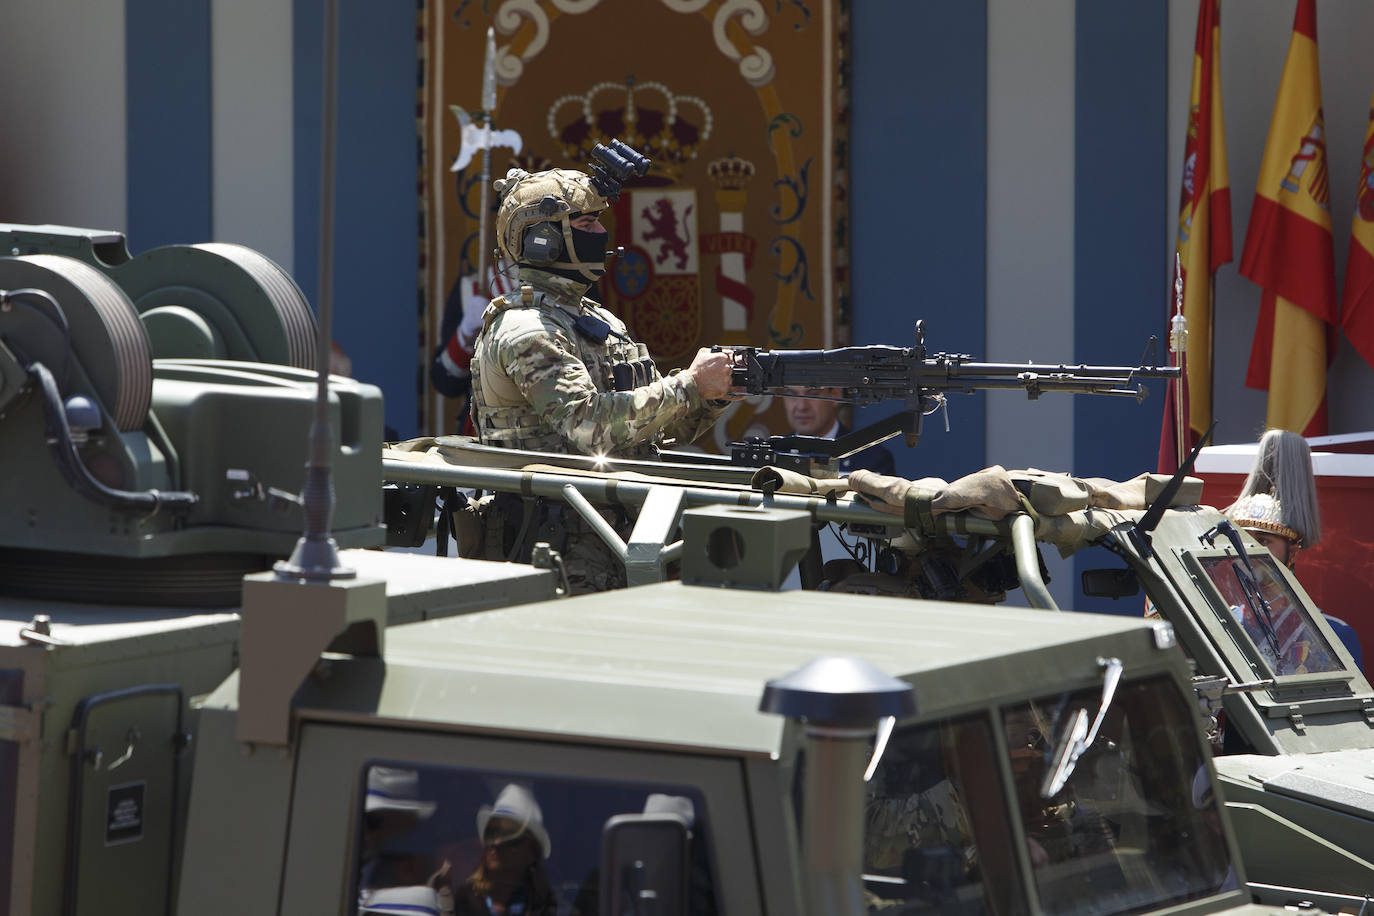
(880, 373)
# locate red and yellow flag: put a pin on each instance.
(1357, 300)
(1288, 245)
(1204, 237)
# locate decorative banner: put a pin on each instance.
(738, 233)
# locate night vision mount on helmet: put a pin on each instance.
(533, 225)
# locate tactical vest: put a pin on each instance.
(514, 423)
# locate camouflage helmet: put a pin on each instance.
(544, 197)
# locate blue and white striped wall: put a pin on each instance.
(185, 120)
(1026, 143)
(1015, 172)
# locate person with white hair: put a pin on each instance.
(1283, 469)
(1278, 507)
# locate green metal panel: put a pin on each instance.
(110, 652)
(421, 587)
(1285, 853)
(110, 648)
(1325, 793)
(777, 840)
(617, 660)
(124, 757)
(237, 825)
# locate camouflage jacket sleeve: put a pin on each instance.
(542, 362)
(698, 421)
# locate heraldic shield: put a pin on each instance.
(736, 235)
(656, 285)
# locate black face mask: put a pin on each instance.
(590, 248)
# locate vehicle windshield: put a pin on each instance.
(1135, 826)
(936, 837)
(1271, 615)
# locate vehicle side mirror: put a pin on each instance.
(645, 865)
(1110, 583)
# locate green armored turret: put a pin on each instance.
(138, 491)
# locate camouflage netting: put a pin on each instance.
(1070, 512)
(994, 493)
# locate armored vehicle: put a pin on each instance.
(1050, 764)
(1296, 713)
(171, 746)
(143, 472)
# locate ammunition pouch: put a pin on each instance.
(408, 509)
(512, 525)
(459, 517)
(517, 427)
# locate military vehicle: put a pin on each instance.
(1049, 764)
(170, 746)
(1295, 712)
(143, 474)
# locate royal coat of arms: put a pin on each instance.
(737, 234)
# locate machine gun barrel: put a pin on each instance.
(877, 373)
(866, 375)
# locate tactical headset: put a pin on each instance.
(542, 244)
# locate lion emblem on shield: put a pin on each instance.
(663, 228)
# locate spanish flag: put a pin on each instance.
(1288, 245)
(1203, 241)
(1357, 301)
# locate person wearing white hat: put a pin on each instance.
(392, 808)
(510, 879)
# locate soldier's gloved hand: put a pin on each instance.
(713, 374)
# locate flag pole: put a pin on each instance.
(1178, 345)
(488, 107)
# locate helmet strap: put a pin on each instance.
(571, 248)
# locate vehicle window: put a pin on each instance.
(936, 837)
(1135, 826)
(1272, 615)
(468, 841)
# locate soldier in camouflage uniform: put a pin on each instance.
(553, 371)
(545, 360)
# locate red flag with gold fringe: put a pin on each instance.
(1289, 248)
(1203, 241)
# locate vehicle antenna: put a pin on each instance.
(1140, 534)
(316, 556)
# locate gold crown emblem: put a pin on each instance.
(667, 127)
(732, 173)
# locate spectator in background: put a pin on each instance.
(815, 412)
(510, 880)
(392, 813)
(342, 365)
(450, 369)
(1283, 471)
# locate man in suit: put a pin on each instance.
(813, 412)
